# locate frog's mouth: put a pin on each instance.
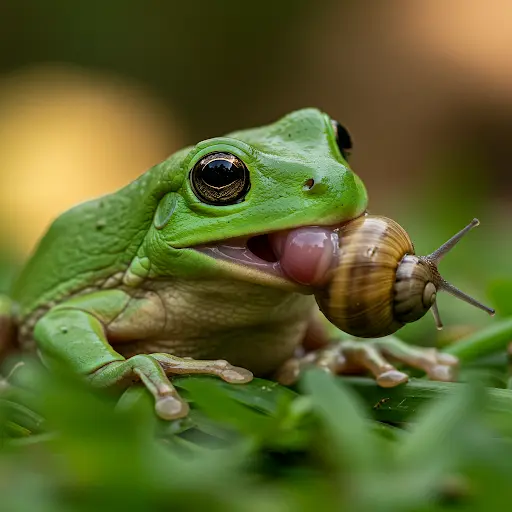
(303, 255)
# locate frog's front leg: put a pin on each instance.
(76, 333)
(321, 349)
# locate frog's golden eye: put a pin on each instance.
(220, 179)
(343, 139)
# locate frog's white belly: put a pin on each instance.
(252, 326)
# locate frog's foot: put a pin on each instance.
(353, 357)
(153, 369)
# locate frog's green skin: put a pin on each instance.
(116, 276)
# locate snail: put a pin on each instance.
(379, 284)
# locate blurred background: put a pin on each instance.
(92, 94)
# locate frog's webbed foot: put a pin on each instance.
(153, 371)
(359, 357)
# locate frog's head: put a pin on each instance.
(236, 194)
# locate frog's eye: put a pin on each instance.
(220, 179)
(343, 139)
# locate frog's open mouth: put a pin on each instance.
(256, 251)
(261, 247)
(302, 255)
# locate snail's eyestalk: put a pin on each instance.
(437, 318)
(438, 254)
(445, 286)
(432, 261)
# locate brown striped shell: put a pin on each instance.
(378, 285)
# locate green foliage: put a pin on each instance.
(339, 444)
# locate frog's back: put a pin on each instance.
(86, 245)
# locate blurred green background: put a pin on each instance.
(92, 94)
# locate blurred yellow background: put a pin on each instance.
(92, 95)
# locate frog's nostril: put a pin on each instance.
(309, 184)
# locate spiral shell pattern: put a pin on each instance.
(360, 298)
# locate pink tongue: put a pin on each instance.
(306, 254)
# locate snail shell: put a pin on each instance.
(379, 284)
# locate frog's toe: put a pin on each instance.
(289, 372)
(181, 365)
(171, 408)
(228, 372)
(391, 378)
(236, 375)
(331, 359)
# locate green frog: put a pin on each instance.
(205, 264)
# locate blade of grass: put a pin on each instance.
(397, 405)
(483, 342)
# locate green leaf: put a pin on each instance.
(263, 395)
(402, 403)
(211, 397)
(343, 415)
